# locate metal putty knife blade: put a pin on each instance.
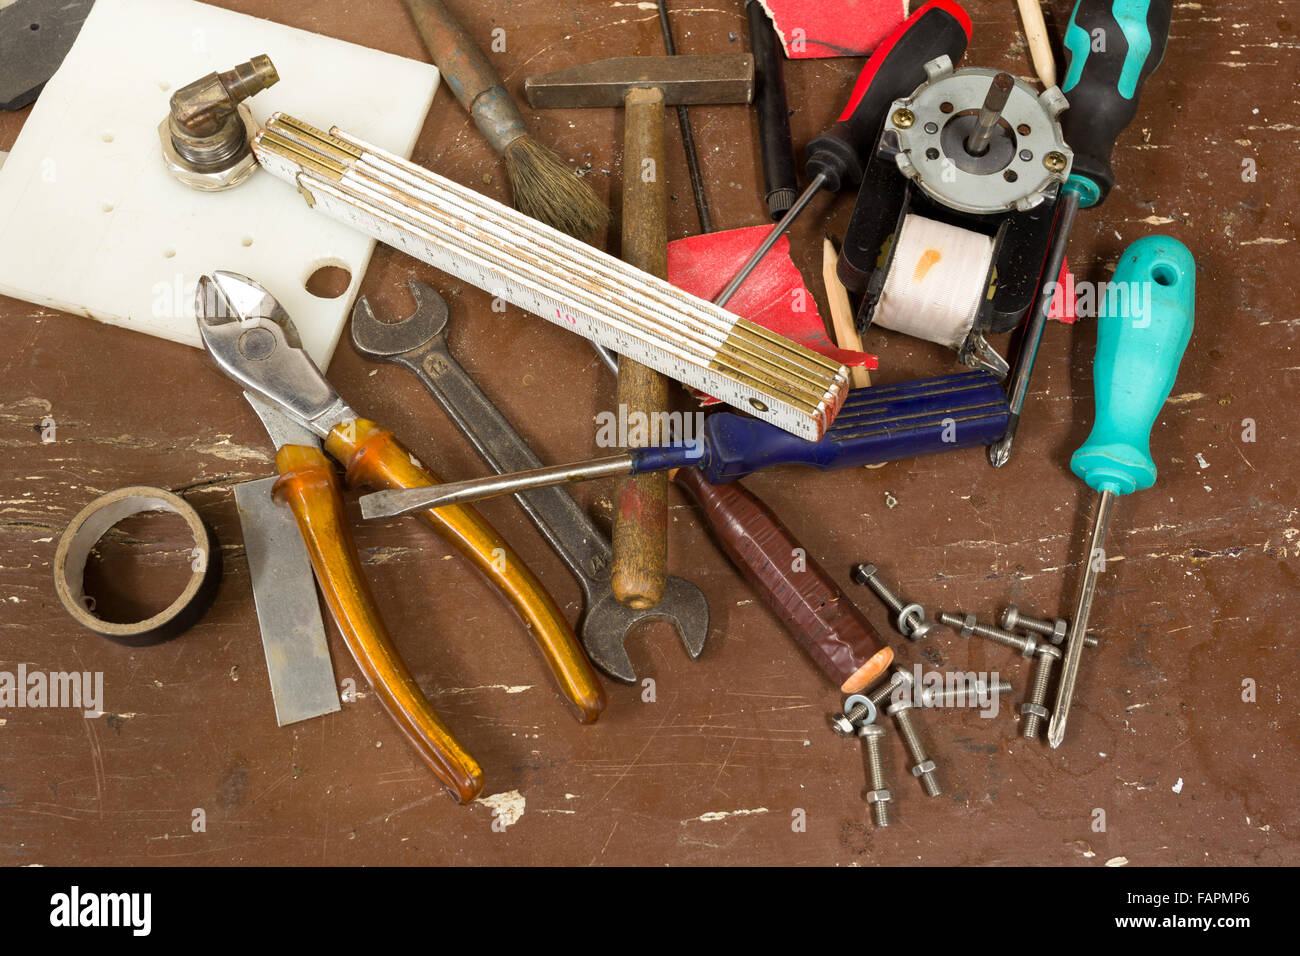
(288, 612)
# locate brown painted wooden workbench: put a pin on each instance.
(1200, 599)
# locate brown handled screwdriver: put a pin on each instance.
(543, 186)
(822, 620)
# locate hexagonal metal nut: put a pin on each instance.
(922, 769)
(842, 726)
(878, 796)
(209, 181)
(1038, 710)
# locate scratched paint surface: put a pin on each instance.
(1200, 593)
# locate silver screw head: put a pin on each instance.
(903, 676)
(870, 731)
(897, 707)
(912, 623)
(1010, 617)
(1049, 650)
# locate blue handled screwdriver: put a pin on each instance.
(1111, 47)
(1142, 331)
(876, 424)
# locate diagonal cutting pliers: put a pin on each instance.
(253, 341)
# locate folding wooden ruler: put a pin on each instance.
(565, 281)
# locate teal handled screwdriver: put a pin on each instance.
(1111, 47)
(1142, 332)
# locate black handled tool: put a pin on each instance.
(837, 158)
(1111, 47)
(780, 175)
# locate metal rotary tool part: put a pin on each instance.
(979, 140)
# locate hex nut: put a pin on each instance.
(968, 626)
(1038, 710)
(217, 180)
(1059, 630)
(842, 725)
(878, 796)
(864, 572)
(922, 769)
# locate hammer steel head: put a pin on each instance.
(376, 339)
(684, 80)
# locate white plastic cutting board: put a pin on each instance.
(92, 223)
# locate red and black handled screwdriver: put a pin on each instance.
(837, 158)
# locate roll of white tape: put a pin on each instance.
(936, 282)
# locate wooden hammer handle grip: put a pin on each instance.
(822, 620)
(640, 534)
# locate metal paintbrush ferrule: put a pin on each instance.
(552, 275)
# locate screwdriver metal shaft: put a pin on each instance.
(1000, 450)
(1094, 565)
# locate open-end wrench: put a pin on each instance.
(420, 344)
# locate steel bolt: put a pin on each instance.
(968, 625)
(898, 676)
(858, 710)
(1032, 710)
(923, 769)
(909, 618)
(1055, 631)
(878, 796)
(949, 696)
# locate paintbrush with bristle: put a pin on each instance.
(543, 186)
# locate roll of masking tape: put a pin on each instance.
(93, 522)
(937, 281)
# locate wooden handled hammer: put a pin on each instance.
(643, 86)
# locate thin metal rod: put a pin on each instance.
(777, 231)
(995, 101)
(1094, 563)
(1000, 450)
(688, 135)
(384, 504)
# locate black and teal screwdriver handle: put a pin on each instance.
(896, 68)
(1142, 332)
(1111, 47)
(877, 424)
